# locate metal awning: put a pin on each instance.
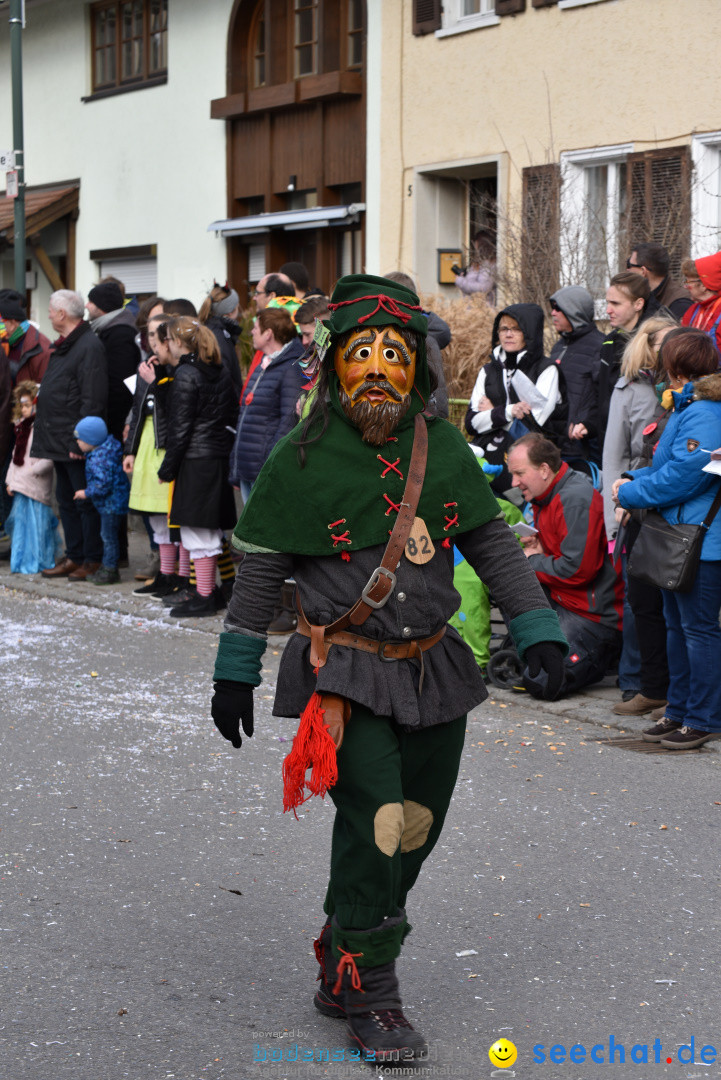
(316, 217)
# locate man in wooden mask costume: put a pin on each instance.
(361, 505)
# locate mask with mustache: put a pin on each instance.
(375, 422)
(376, 371)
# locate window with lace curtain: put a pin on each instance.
(129, 44)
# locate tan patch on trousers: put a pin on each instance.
(388, 827)
(418, 821)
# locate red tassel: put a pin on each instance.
(446, 543)
(345, 556)
(314, 749)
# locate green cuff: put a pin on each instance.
(239, 658)
(376, 947)
(534, 626)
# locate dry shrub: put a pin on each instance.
(471, 321)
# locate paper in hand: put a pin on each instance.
(520, 528)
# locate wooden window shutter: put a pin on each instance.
(543, 3)
(540, 237)
(658, 201)
(426, 16)
(510, 7)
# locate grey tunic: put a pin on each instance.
(423, 600)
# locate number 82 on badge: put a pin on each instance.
(419, 546)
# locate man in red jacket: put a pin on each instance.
(570, 557)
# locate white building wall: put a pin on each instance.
(151, 163)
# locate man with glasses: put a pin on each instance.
(271, 287)
(652, 261)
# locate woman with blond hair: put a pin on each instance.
(635, 407)
(198, 442)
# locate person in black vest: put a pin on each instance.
(520, 390)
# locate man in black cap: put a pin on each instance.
(115, 326)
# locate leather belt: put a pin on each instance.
(385, 650)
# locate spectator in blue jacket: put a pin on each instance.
(267, 407)
(108, 488)
(677, 486)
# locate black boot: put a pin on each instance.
(325, 1000)
(196, 607)
(375, 1017)
(285, 617)
(371, 995)
(161, 585)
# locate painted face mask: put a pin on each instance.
(375, 365)
(375, 369)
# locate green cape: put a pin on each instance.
(340, 492)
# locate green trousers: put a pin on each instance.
(391, 800)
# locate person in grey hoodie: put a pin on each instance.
(576, 351)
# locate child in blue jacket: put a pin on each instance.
(108, 487)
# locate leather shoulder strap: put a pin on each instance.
(382, 582)
(713, 510)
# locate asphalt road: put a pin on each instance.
(158, 909)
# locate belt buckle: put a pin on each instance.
(381, 652)
(372, 581)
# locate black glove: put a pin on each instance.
(232, 703)
(545, 675)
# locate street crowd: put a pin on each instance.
(143, 407)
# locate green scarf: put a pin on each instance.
(18, 333)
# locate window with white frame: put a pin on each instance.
(461, 15)
(593, 202)
(706, 194)
(565, 4)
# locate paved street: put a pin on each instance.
(159, 909)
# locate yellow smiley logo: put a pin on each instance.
(503, 1053)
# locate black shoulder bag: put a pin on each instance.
(668, 555)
